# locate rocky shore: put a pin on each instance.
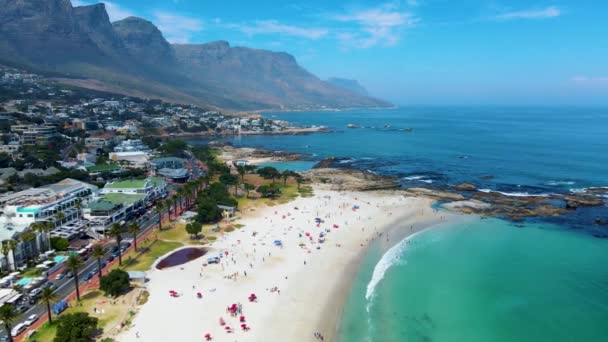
(464, 198)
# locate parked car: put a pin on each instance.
(88, 276)
(22, 308)
(111, 258)
(35, 292)
(50, 285)
(60, 276)
(31, 320)
(70, 274)
(213, 260)
(18, 329)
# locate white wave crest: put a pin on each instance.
(389, 259)
(514, 194)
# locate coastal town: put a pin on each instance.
(85, 176)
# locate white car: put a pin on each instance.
(35, 292)
(31, 320)
(60, 276)
(18, 329)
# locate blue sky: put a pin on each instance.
(445, 52)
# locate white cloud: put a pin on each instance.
(275, 27)
(549, 12)
(590, 80)
(115, 12)
(381, 25)
(177, 28)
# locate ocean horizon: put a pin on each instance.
(541, 280)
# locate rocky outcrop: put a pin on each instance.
(465, 187)
(351, 180)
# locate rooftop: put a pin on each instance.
(127, 184)
(123, 198)
(103, 167)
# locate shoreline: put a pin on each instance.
(311, 294)
(396, 232)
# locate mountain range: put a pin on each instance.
(82, 47)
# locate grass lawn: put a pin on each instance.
(147, 254)
(112, 314)
(289, 192)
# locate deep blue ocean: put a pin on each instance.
(480, 279)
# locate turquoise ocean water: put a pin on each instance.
(486, 280)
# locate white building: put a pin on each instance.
(20, 209)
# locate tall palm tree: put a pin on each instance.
(59, 216)
(48, 295)
(38, 227)
(134, 229)
(74, 264)
(168, 207)
(116, 231)
(160, 208)
(26, 237)
(98, 253)
(8, 314)
(175, 200)
(5, 251)
(12, 245)
(242, 171)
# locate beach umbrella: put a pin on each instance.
(207, 336)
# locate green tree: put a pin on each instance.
(160, 209)
(115, 282)
(242, 171)
(98, 253)
(134, 229)
(299, 180)
(229, 179)
(26, 238)
(47, 296)
(194, 229)
(116, 232)
(285, 175)
(74, 264)
(76, 327)
(248, 188)
(59, 244)
(6, 251)
(208, 211)
(174, 147)
(269, 191)
(59, 216)
(269, 172)
(8, 315)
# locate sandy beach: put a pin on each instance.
(300, 285)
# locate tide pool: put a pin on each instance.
(485, 280)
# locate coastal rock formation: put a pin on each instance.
(465, 187)
(354, 180)
(577, 201)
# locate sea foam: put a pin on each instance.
(389, 259)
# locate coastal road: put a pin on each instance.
(65, 286)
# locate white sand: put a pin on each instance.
(311, 294)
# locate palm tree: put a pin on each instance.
(241, 170)
(175, 201)
(27, 237)
(8, 314)
(134, 229)
(59, 216)
(168, 207)
(74, 264)
(299, 180)
(48, 295)
(98, 253)
(40, 228)
(5, 251)
(286, 174)
(12, 245)
(116, 231)
(160, 207)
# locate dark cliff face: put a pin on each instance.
(132, 53)
(143, 40)
(43, 31)
(95, 23)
